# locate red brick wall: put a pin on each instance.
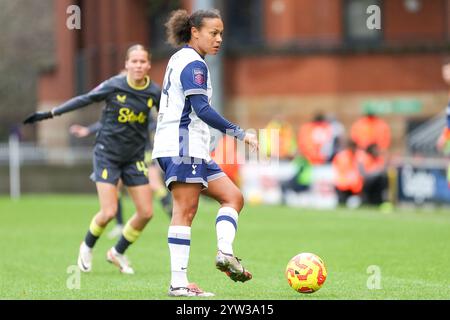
(63, 75)
(427, 24)
(259, 83)
(293, 20)
(110, 28)
(333, 74)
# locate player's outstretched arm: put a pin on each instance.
(96, 95)
(38, 116)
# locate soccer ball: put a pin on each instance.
(306, 273)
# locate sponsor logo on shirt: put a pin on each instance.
(121, 99)
(127, 115)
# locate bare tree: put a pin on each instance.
(26, 40)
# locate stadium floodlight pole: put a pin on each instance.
(215, 64)
(14, 166)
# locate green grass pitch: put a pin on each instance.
(40, 236)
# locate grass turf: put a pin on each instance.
(40, 236)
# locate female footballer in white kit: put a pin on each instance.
(182, 147)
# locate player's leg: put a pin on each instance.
(117, 230)
(185, 203)
(134, 176)
(185, 179)
(224, 191)
(142, 199)
(107, 194)
(119, 215)
(160, 191)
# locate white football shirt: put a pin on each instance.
(179, 132)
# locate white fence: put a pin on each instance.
(15, 155)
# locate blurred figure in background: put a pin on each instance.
(226, 156)
(302, 179)
(15, 130)
(347, 177)
(443, 143)
(371, 129)
(315, 140)
(287, 143)
(373, 168)
(338, 133)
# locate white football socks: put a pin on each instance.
(179, 239)
(226, 226)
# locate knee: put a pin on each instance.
(109, 213)
(146, 213)
(239, 202)
(190, 211)
(235, 200)
(186, 212)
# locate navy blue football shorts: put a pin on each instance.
(132, 173)
(189, 170)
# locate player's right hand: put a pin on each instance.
(38, 116)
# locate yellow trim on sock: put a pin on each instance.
(130, 233)
(160, 193)
(95, 229)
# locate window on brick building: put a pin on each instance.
(358, 23)
(158, 13)
(243, 22)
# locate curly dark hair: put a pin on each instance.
(180, 23)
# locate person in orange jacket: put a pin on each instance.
(348, 180)
(287, 146)
(315, 140)
(226, 156)
(372, 166)
(371, 129)
(443, 143)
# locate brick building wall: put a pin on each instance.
(259, 85)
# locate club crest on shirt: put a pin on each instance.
(199, 76)
(121, 99)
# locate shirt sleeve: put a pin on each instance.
(95, 127)
(158, 100)
(208, 115)
(96, 95)
(194, 78)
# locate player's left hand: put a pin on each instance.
(38, 116)
(252, 141)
